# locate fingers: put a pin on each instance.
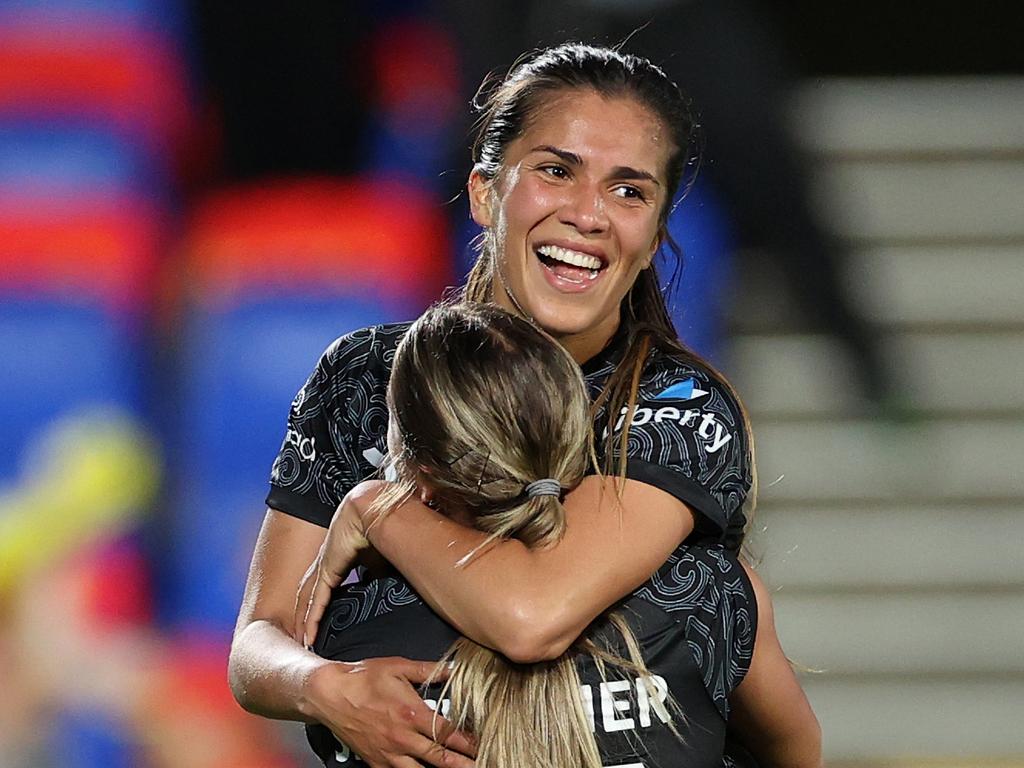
(448, 746)
(393, 761)
(418, 672)
(438, 755)
(319, 599)
(314, 594)
(383, 718)
(302, 598)
(435, 742)
(454, 745)
(460, 747)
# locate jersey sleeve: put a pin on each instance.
(687, 436)
(317, 463)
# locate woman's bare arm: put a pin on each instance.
(269, 672)
(532, 604)
(771, 715)
(371, 706)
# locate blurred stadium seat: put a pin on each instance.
(277, 271)
(94, 103)
(56, 65)
(416, 99)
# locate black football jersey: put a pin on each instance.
(686, 434)
(695, 621)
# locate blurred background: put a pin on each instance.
(195, 199)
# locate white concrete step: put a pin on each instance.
(974, 718)
(977, 201)
(806, 374)
(903, 633)
(962, 372)
(897, 546)
(945, 285)
(791, 373)
(911, 115)
(894, 550)
(931, 460)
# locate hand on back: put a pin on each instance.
(372, 708)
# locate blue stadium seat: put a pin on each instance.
(698, 303)
(241, 370)
(68, 160)
(60, 356)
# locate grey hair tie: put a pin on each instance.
(546, 487)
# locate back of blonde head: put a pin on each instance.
(484, 404)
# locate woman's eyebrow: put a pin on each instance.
(619, 172)
(625, 172)
(562, 154)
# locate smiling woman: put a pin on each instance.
(579, 155)
(574, 213)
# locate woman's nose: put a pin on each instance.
(584, 210)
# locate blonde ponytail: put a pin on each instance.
(521, 714)
(485, 404)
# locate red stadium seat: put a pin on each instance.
(321, 236)
(105, 255)
(129, 80)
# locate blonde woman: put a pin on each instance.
(490, 421)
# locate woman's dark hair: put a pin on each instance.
(505, 114)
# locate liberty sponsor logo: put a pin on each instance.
(686, 391)
(712, 433)
(306, 446)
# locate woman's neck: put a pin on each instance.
(585, 345)
(459, 515)
(582, 346)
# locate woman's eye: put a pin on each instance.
(629, 192)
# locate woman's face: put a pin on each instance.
(573, 215)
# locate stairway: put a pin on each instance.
(895, 549)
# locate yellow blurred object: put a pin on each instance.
(87, 474)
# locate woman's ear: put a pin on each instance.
(479, 190)
(425, 487)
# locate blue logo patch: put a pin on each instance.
(684, 390)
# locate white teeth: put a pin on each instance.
(575, 258)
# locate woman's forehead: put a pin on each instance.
(603, 130)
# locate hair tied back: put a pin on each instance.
(548, 486)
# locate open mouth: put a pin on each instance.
(570, 265)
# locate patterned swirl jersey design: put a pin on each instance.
(711, 595)
(367, 600)
(686, 434)
(336, 423)
(694, 620)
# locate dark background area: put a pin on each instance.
(901, 38)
